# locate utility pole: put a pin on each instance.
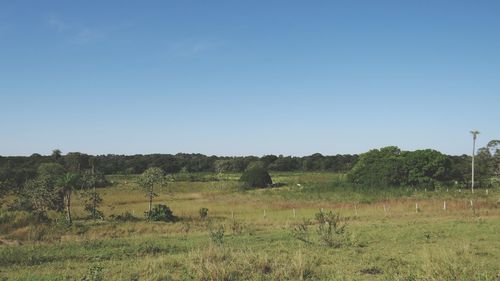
(474, 136)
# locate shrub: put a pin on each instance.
(217, 235)
(203, 213)
(256, 176)
(161, 212)
(300, 231)
(123, 217)
(331, 229)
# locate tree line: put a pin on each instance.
(56, 177)
(15, 170)
(389, 166)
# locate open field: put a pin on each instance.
(387, 237)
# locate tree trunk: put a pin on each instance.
(150, 200)
(68, 207)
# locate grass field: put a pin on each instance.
(252, 235)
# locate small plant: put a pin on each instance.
(92, 200)
(217, 235)
(331, 229)
(161, 212)
(203, 213)
(94, 273)
(300, 231)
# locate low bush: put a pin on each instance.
(161, 212)
(300, 231)
(331, 229)
(123, 217)
(203, 213)
(217, 235)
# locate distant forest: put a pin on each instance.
(17, 169)
(387, 166)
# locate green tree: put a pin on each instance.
(426, 167)
(380, 168)
(38, 196)
(76, 161)
(222, 166)
(50, 171)
(51, 174)
(494, 148)
(147, 180)
(68, 182)
(256, 176)
(56, 155)
(89, 181)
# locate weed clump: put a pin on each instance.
(331, 231)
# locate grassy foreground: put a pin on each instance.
(252, 235)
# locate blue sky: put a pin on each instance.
(247, 77)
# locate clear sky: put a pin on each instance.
(247, 77)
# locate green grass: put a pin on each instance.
(461, 243)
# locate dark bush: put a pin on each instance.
(127, 216)
(203, 213)
(256, 177)
(161, 212)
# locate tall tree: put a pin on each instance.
(68, 183)
(147, 180)
(56, 155)
(494, 148)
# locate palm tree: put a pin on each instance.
(474, 136)
(68, 182)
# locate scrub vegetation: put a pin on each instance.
(71, 221)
